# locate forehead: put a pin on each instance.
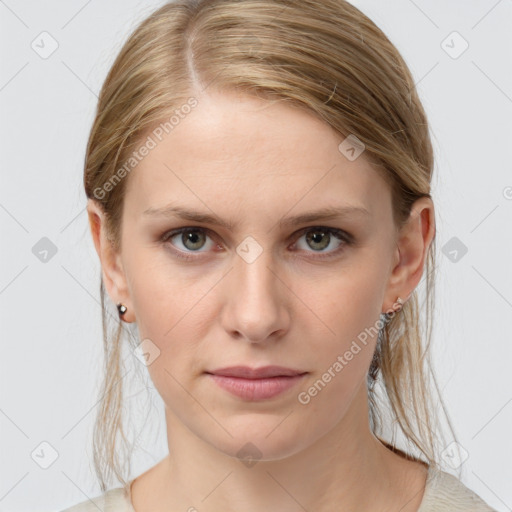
(237, 149)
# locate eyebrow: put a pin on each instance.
(303, 218)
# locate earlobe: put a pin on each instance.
(111, 268)
(413, 243)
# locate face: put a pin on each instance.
(255, 282)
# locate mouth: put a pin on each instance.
(258, 383)
(246, 372)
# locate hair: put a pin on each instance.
(327, 58)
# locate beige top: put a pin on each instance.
(443, 493)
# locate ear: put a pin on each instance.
(111, 266)
(412, 246)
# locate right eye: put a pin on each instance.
(191, 239)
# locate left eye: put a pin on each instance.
(193, 239)
(320, 238)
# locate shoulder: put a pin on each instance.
(115, 500)
(445, 492)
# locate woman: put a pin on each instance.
(258, 181)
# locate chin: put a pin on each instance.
(267, 441)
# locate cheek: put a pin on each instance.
(169, 314)
(346, 304)
(172, 311)
(347, 315)
(341, 360)
(163, 296)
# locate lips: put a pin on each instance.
(245, 372)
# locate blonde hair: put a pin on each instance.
(325, 57)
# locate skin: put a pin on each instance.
(253, 163)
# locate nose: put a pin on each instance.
(256, 300)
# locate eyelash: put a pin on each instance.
(341, 235)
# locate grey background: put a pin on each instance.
(49, 309)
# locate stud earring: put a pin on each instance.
(391, 312)
(121, 308)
